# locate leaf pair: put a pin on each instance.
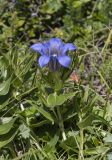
(57, 100)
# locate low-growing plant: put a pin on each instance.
(55, 95)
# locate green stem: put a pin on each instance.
(61, 125)
(81, 155)
(81, 145)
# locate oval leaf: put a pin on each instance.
(5, 128)
(4, 87)
(5, 139)
(56, 100)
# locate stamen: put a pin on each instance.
(54, 55)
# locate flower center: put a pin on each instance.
(54, 55)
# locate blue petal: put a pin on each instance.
(39, 47)
(53, 64)
(68, 47)
(55, 41)
(64, 61)
(43, 60)
(46, 47)
(55, 45)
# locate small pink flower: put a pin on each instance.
(74, 77)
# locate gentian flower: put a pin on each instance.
(54, 53)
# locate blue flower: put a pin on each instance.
(54, 53)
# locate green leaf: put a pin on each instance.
(86, 122)
(24, 131)
(85, 98)
(3, 105)
(55, 100)
(96, 150)
(20, 23)
(5, 128)
(51, 144)
(108, 111)
(4, 87)
(69, 144)
(108, 138)
(77, 4)
(45, 114)
(39, 123)
(42, 111)
(91, 118)
(92, 157)
(29, 111)
(95, 141)
(5, 139)
(90, 105)
(51, 6)
(99, 119)
(109, 156)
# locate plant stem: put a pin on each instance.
(108, 41)
(81, 156)
(61, 125)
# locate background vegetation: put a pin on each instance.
(29, 127)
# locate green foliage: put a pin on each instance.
(57, 100)
(6, 127)
(4, 87)
(48, 116)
